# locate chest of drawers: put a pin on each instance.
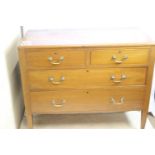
(82, 77)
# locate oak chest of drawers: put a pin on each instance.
(67, 72)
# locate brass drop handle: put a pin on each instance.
(58, 105)
(123, 77)
(56, 62)
(122, 99)
(114, 58)
(52, 79)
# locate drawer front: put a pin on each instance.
(81, 79)
(113, 56)
(55, 58)
(103, 100)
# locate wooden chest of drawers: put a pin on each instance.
(84, 78)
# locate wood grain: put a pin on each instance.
(148, 88)
(83, 79)
(97, 100)
(104, 56)
(87, 69)
(25, 87)
(38, 58)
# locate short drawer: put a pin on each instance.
(81, 78)
(55, 58)
(115, 56)
(99, 100)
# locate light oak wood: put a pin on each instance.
(105, 56)
(25, 88)
(87, 101)
(38, 58)
(144, 111)
(86, 78)
(90, 78)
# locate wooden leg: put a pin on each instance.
(143, 118)
(29, 121)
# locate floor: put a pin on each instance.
(127, 120)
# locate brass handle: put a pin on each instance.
(51, 79)
(55, 62)
(58, 105)
(123, 77)
(114, 58)
(118, 103)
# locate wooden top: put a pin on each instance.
(85, 37)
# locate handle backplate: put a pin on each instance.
(119, 61)
(59, 103)
(123, 77)
(122, 100)
(55, 82)
(56, 62)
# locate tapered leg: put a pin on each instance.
(29, 121)
(143, 118)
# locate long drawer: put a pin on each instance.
(83, 79)
(123, 56)
(49, 58)
(97, 100)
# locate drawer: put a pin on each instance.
(81, 78)
(114, 56)
(55, 58)
(99, 100)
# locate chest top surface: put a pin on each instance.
(85, 37)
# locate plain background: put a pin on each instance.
(64, 14)
(57, 14)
